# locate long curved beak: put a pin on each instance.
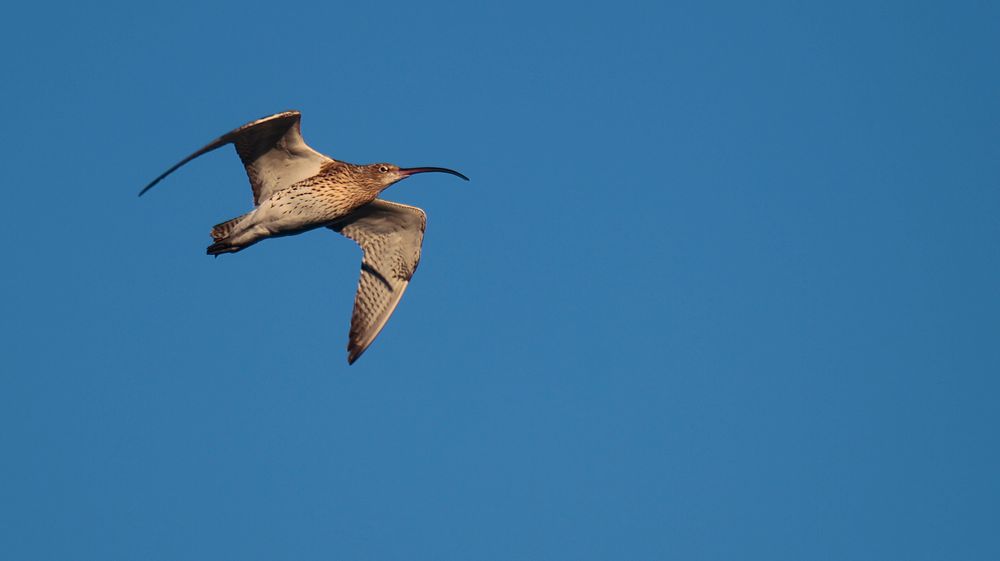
(407, 172)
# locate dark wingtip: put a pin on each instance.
(168, 172)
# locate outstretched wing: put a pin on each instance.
(390, 235)
(272, 151)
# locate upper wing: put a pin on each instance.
(390, 235)
(272, 151)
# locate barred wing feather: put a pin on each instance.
(390, 234)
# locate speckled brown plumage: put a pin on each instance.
(337, 189)
(297, 189)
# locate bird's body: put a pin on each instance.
(311, 203)
(297, 189)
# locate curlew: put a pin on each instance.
(296, 189)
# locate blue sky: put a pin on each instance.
(724, 285)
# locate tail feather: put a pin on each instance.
(220, 231)
(220, 235)
(218, 248)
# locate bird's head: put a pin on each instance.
(383, 175)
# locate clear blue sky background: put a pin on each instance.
(724, 285)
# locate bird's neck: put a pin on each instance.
(351, 180)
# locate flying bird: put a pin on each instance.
(296, 189)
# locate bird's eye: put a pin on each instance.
(383, 169)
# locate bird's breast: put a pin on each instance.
(311, 204)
